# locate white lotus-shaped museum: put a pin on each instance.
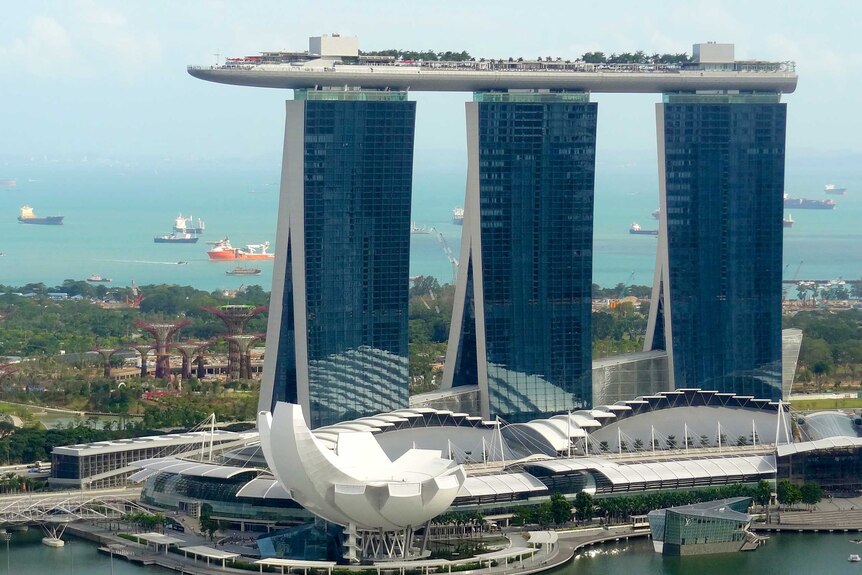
(356, 484)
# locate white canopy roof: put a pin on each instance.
(671, 470)
(203, 551)
(509, 483)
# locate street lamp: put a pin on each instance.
(7, 537)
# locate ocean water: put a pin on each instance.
(112, 213)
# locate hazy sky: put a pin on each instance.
(101, 78)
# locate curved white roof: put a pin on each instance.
(189, 468)
(673, 470)
(493, 485)
(357, 484)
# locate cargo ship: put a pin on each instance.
(223, 251)
(186, 225)
(834, 190)
(238, 271)
(788, 221)
(804, 204)
(636, 229)
(176, 238)
(458, 216)
(98, 279)
(28, 216)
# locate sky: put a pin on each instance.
(96, 79)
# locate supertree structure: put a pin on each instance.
(106, 353)
(242, 368)
(143, 350)
(163, 333)
(190, 351)
(235, 318)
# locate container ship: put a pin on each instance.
(636, 229)
(186, 225)
(834, 190)
(804, 204)
(176, 238)
(28, 216)
(458, 216)
(223, 251)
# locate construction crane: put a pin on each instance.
(448, 251)
(613, 303)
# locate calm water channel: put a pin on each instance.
(803, 553)
(28, 556)
(786, 554)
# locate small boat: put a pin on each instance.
(98, 279)
(788, 221)
(28, 216)
(176, 238)
(8, 183)
(834, 190)
(458, 216)
(856, 541)
(414, 229)
(854, 558)
(656, 214)
(636, 229)
(240, 271)
(182, 263)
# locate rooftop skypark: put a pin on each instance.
(337, 62)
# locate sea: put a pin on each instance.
(113, 210)
(787, 554)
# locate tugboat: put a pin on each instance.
(176, 238)
(638, 231)
(185, 225)
(98, 279)
(28, 216)
(239, 271)
(458, 216)
(222, 250)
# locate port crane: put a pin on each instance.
(448, 251)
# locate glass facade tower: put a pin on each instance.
(521, 323)
(340, 287)
(717, 292)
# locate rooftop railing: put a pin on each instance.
(515, 66)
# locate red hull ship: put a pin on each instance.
(223, 251)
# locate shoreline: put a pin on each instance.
(570, 545)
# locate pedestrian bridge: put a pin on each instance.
(68, 506)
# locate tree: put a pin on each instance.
(544, 514)
(788, 493)
(821, 368)
(811, 493)
(561, 509)
(763, 492)
(638, 444)
(207, 523)
(584, 507)
(671, 441)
